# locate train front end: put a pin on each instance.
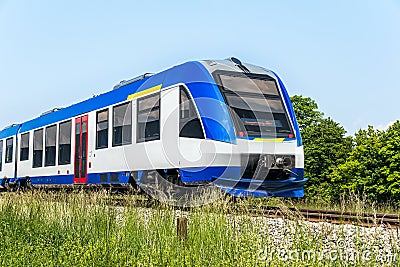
(267, 144)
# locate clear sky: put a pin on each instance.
(343, 54)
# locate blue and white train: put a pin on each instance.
(218, 122)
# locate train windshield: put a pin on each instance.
(256, 105)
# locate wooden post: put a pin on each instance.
(181, 228)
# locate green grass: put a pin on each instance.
(81, 229)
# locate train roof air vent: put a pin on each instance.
(138, 78)
(10, 126)
(50, 111)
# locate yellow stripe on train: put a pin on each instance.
(145, 92)
(276, 140)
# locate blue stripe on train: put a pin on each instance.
(227, 178)
(93, 178)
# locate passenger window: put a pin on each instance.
(122, 124)
(1, 155)
(38, 148)
(189, 123)
(148, 118)
(9, 150)
(64, 140)
(102, 129)
(24, 153)
(50, 149)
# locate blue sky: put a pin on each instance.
(343, 54)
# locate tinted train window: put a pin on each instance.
(148, 118)
(38, 148)
(241, 83)
(122, 124)
(1, 155)
(102, 129)
(50, 149)
(255, 104)
(24, 153)
(9, 150)
(64, 139)
(189, 123)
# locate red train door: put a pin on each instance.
(81, 148)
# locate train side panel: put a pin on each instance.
(8, 163)
(47, 172)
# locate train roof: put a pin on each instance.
(9, 131)
(192, 70)
(94, 103)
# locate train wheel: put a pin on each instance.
(171, 175)
(133, 186)
(29, 185)
(7, 185)
(22, 185)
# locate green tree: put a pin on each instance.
(325, 147)
(336, 164)
(360, 173)
(306, 110)
(390, 152)
(373, 167)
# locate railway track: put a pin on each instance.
(292, 213)
(314, 215)
(333, 216)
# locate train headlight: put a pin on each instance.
(279, 162)
(283, 162)
(287, 161)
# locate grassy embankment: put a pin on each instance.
(80, 229)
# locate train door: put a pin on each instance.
(169, 129)
(81, 148)
(190, 136)
(182, 133)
